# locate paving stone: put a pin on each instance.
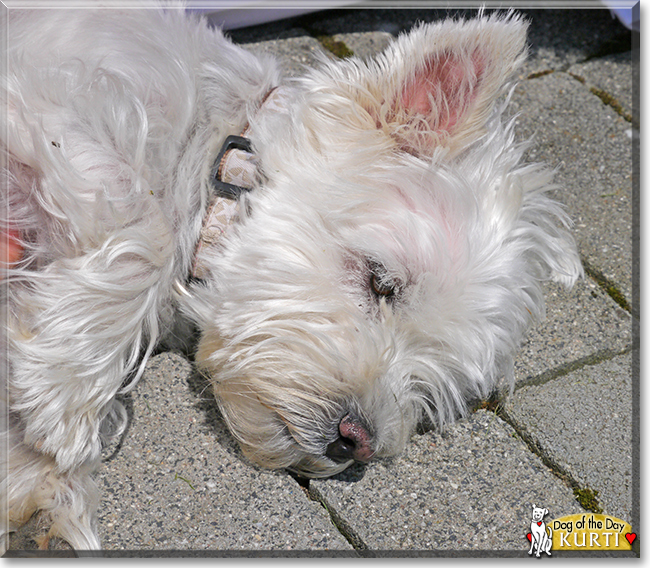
(562, 37)
(611, 74)
(578, 323)
(584, 423)
(180, 482)
(294, 54)
(471, 488)
(365, 44)
(591, 146)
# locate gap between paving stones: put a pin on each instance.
(604, 96)
(341, 525)
(563, 370)
(334, 47)
(555, 468)
(610, 287)
(338, 521)
(607, 285)
(585, 496)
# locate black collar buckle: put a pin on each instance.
(222, 188)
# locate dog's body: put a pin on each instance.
(385, 265)
(541, 540)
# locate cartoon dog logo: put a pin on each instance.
(540, 540)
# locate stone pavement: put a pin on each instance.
(567, 439)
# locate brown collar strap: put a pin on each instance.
(235, 172)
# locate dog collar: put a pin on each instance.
(235, 172)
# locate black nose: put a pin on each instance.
(354, 442)
(341, 450)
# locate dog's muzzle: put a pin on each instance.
(354, 442)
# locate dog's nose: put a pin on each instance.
(354, 442)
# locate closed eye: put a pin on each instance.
(381, 284)
(381, 287)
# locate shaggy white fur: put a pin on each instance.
(386, 265)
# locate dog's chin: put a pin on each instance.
(313, 462)
(297, 461)
(318, 467)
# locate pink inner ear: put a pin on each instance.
(447, 81)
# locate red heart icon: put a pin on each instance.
(539, 523)
(631, 537)
(529, 537)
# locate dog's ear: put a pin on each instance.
(443, 80)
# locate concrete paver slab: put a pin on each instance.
(612, 75)
(584, 423)
(471, 488)
(179, 481)
(592, 146)
(562, 37)
(365, 44)
(294, 54)
(578, 324)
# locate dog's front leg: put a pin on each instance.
(68, 500)
(76, 332)
(533, 540)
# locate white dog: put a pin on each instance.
(370, 253)
(540, 540)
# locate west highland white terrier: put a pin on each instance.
(361, 248)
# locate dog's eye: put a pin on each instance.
(381, 284)
(382, 287)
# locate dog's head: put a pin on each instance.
(539, 513)
(392, 259)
